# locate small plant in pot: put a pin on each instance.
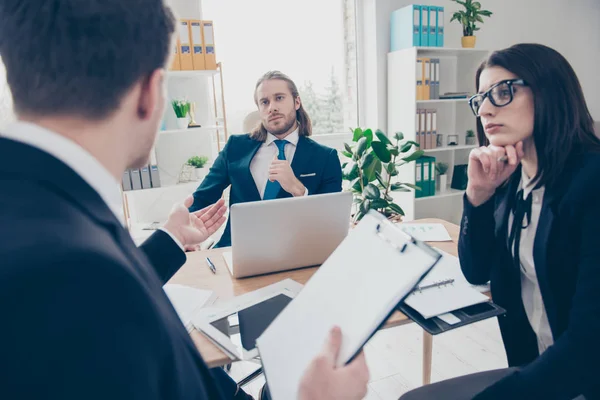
(441, 168)
(199, 163)
(181, 109)
(470, 138)
(374, 161)
(468, 17)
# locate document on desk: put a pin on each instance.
(426, 232)
(357, 288)
(445, 289)
(187, 301)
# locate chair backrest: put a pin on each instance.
(251, 121)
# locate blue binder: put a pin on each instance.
(405, 27)
(424, 26)
(432, 23)
(440, 27)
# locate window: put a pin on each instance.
(312, 41)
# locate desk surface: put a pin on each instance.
(195, 273)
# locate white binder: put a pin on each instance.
(357, 288)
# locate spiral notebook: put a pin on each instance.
(357, 288)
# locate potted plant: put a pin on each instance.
(470, 138)
(182, 109)
(441, 169)
(374, 160)
(468, 18)
(199, 163)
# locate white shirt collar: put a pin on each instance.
(73, 155)
(292, 138)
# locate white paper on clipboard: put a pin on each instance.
(356, 288)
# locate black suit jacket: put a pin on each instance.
(232, 167)
(567, 262)
(83, 311)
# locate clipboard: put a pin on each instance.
(357, 288)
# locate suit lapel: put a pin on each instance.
(247, 181)
(504, 205)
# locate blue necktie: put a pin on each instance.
(272, 188)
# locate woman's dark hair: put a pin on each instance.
(563, 126)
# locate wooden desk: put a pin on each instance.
(195, 273)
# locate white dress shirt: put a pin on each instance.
(530, 288)
(259, 166)
(76, 158)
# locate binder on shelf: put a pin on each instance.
(424, 26)
(436, 78)
(434, 129)
(208, 38)
(427, 78)
(419, 178)
(185, 53)
(422, 128)
(195, 28)
(440, 27)
(154, 176)
(432, 176)
(126, 181)
(426, 175)
(428, 129)
(417, 130)
(420, 79)
(432, 11)
(145, 177)
(175, 62)
(136, 180)
(405, 27)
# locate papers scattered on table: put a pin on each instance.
(187, 301)
(426, 232)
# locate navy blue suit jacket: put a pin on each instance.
(232, 167)
(83, 312)
(566, 253)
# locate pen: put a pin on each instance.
(437, 284)
(211, 265)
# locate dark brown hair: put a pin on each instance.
(72, 57)
(563, 126)
(304, 123)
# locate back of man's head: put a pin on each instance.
(79, 57)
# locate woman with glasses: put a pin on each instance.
(531, 227)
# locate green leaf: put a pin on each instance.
(414, 156)
(358, 133)
(358, 216)
(476, 5)
(394, 151)
(380, 179)
(396, 208)
(346, 154)
(478, 18)
(350, 171)
(399, 136)
(485, 13)
(382, 137)
(406, 147)
(365, 206)
(381, 152)
(379, 203)
(398, 187)
(391, 169)
(371, 166)
(356, 187)
(368, 133)
(361, 146)
(348, 149)
(389, 198)
(372, 192)
(410, 185)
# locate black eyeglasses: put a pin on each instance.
(500, 95)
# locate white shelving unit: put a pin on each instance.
(454, 117)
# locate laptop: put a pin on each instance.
(284, 234)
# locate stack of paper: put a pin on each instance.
(187, 301)
(437, 300)
(426, 232)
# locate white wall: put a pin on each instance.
(570, 27)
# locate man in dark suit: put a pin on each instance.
(276, 160)
(84, 314)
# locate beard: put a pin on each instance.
(288, 123)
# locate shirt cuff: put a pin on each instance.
(305, 191)
(174, 238)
